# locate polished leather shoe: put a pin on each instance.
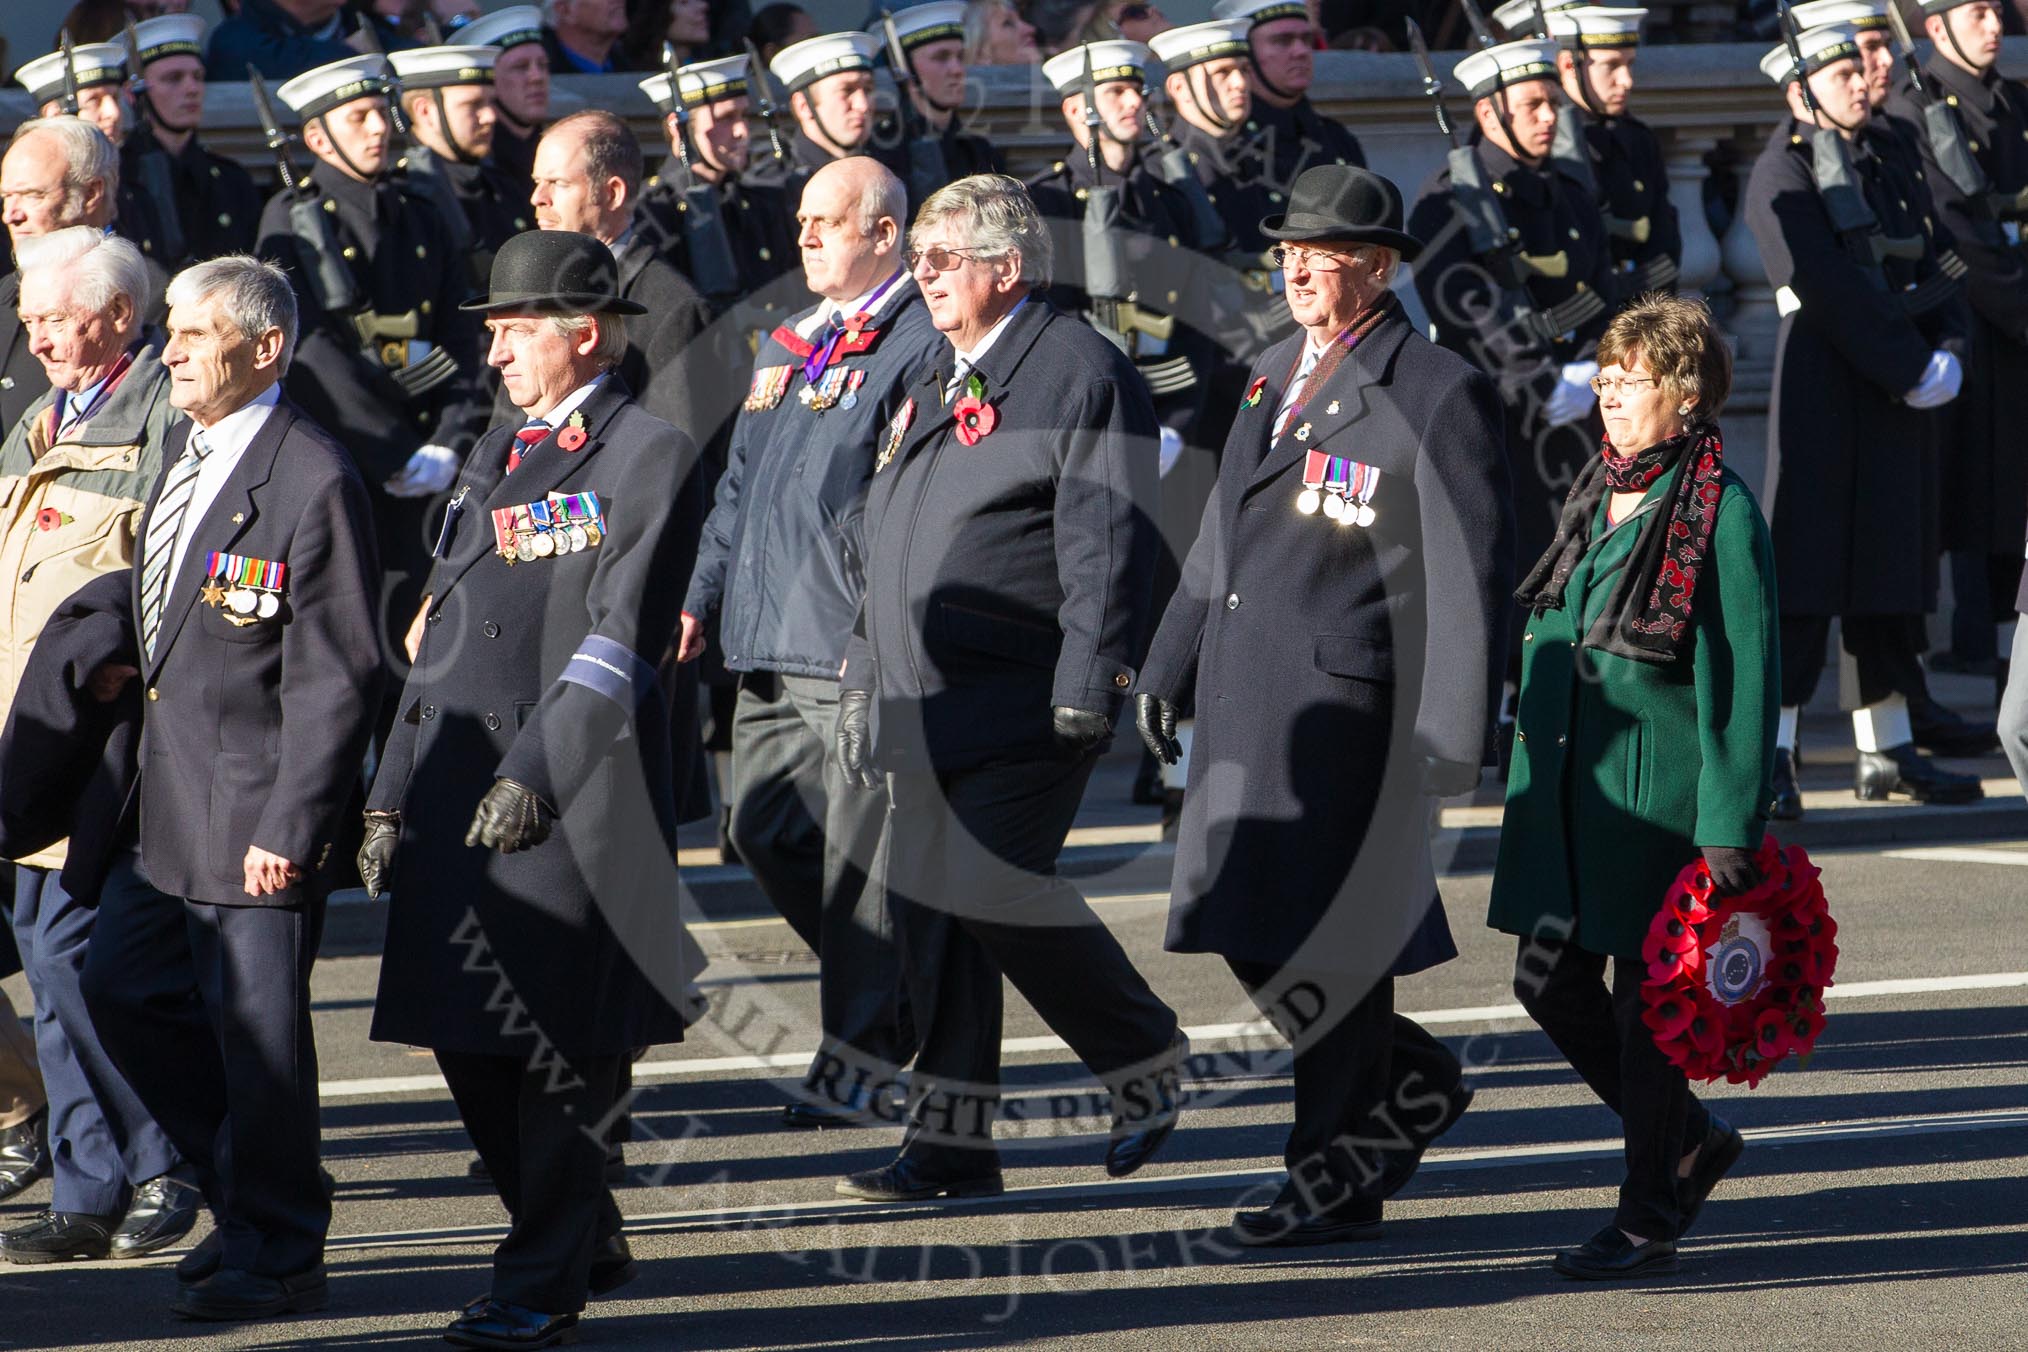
(1397, 1166)
(24, 1155)
(495, 1323)
(202, 1261)
(907, 1180)
(1902, 772)
(612, 1265)
(819, 1109)
(1293, 1221)
(1135, 1143)
(58, 1237)
(1720, 1150)
(234, 1293)
(1611, 1256)
(1943, 732)
(162, 1211)
(1786, 803)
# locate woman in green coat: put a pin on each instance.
(1645, 735)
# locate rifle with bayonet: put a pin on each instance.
(713, 270)
(759, 82)
(1172, 163)
(330, 282)
(70, 101)
(1947, 140)
(151, 161)
(927, 171)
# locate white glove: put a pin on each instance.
(429, 470)
(1940, 381)
(1170, 451)
(1572, 399)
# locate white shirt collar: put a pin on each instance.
(231, 433)
(570, 402)
(970, 359)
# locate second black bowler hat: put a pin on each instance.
(1344, 204)
(554, 272)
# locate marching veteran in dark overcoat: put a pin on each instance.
(532, 726)
(1339, 630)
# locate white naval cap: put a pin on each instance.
(1194, 44)
(1517, 17)
(1858, 15)
(504, 28)
(1258, 12)
(316, 92)
(443, 67)
(801, 64)
(1111, 59)
(701, 82)
(96, 63)
(1491, 69)
(1821, 47)
(168, 35)
(920, 25)
(1594, 26)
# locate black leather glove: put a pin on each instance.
(1732, 871)
(1078, 730)
(1155, 720)
(376, 852)
(510, 817)
(855, 739)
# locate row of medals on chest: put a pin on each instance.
(1342, 488)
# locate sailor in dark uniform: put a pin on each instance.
(218, 208)
(924, 141)
(1873, 334)
(520, 88)
(829, 80)
(447, 93)
(1291, 133)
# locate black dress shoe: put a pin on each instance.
(234, 1293)
(612, 1265)
(24, 1155)
(1610, 1256)
(1293, 1221)
(58, 1237)
(908, 1180)
(1943, 732)
(1721, 1149)
(1786, 803)
(202, 1261)
(162, 1211)
(1902, 772)
(1135, 1142)
(495, 1323)
(820, 1109)
(1397, 1166)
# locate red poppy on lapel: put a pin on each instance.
(976, 418)
(49, 519)
(572, 437)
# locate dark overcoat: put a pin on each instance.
(1984, 473)
(759, 224)
(253, 734)
(22, 379)
(478, 203)
(543, 672)
(1010, 576)
(1325, 662)
(1293, 139)
(218, 208)
(1851, 468)
(1643, 233)
(1622, 769)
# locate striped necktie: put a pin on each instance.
(959, 370)
(526, 440)
(158, 551)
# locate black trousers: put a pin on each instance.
(812, 841)
(1601, 1034)
(971, 872)
(1886, 653)
(206, 1011)
(542, 1133)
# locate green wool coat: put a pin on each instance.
(1623, 769)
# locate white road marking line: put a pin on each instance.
(1958, 854)
(1201, 1036)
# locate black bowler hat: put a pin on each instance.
(554, 272)
(1343, 204)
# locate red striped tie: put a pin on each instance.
(526, 440)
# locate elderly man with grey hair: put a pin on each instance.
(1009, 555)
(74, 472)
(57, 172)
(255, 576)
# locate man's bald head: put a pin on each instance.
(57, 172)
(849, 227)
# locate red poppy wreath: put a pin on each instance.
(976, 418)
(1735, 984)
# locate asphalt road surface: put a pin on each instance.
(1882, 1201)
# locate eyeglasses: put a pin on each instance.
(1604, 385)
(940, 259)
(1307, 260)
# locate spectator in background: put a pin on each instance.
(1134, 20)
(283, 38)
(783, 25)
(1059, 23)
(997, 35)
(684, 25)
(583, 36)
